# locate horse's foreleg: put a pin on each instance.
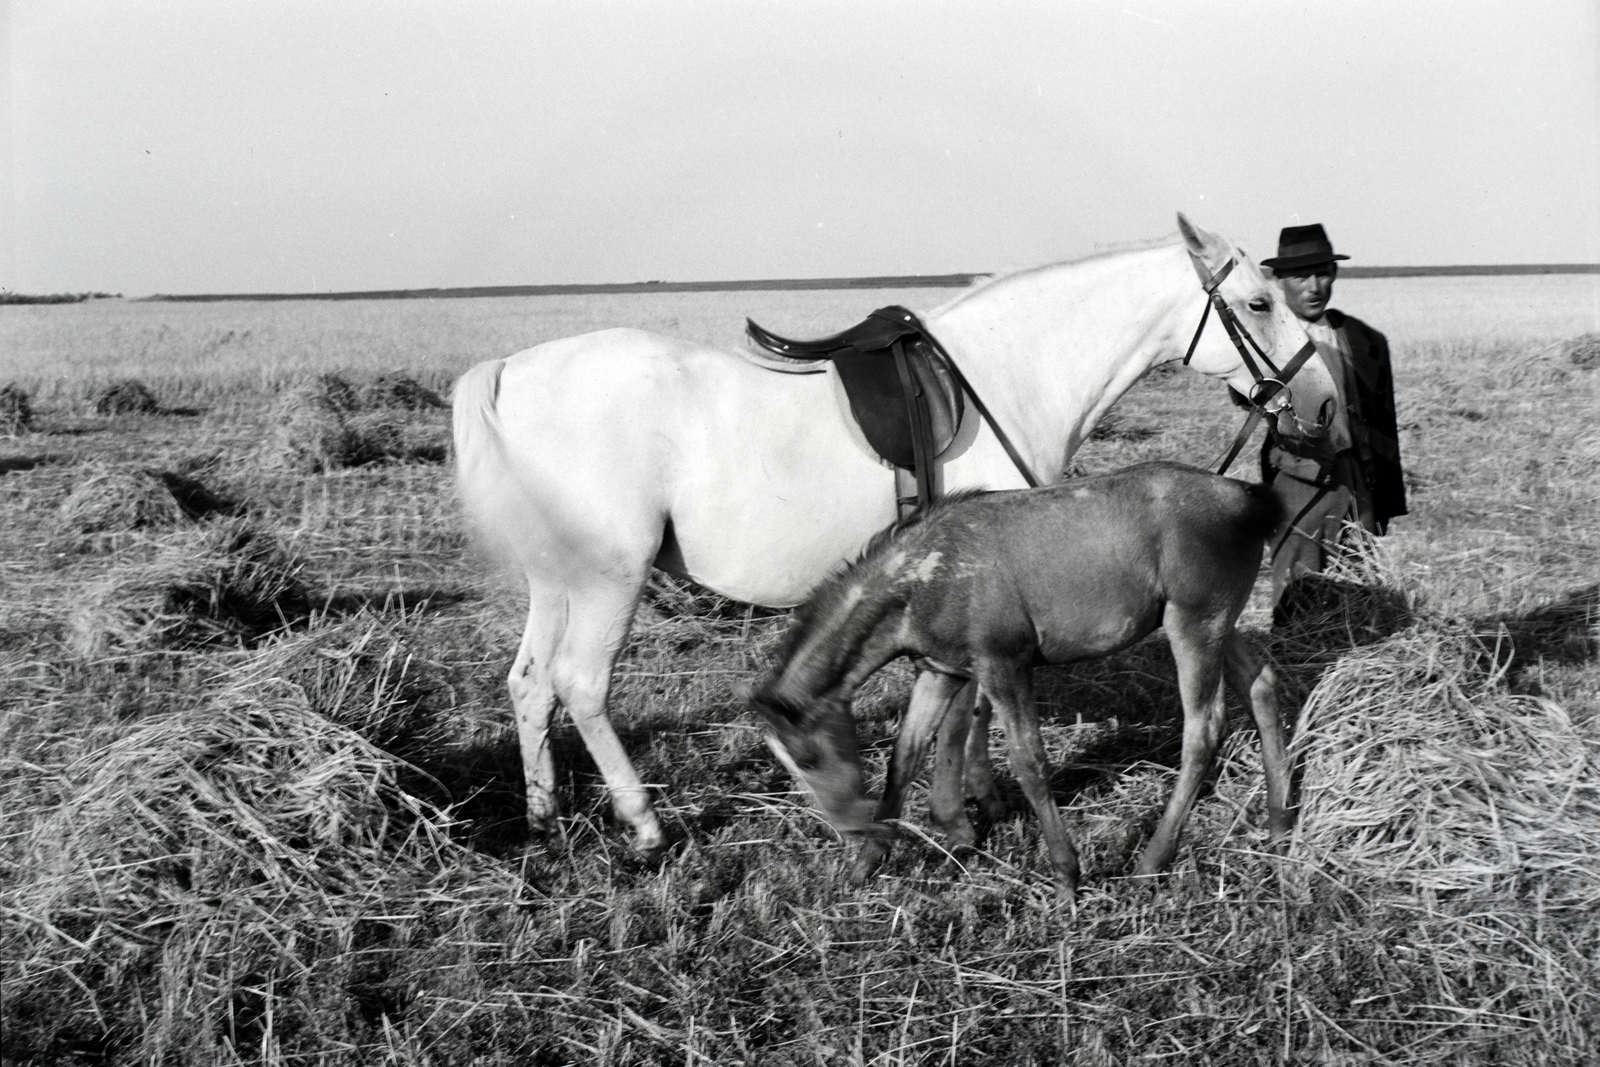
(930, 698)
(596, 631)
(1257, 685)
(1009, 687)
(1199, 653)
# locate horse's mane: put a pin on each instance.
(1121, 249)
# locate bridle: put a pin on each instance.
(1267, 385)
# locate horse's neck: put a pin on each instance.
(1050, 350)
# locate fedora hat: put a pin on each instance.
(1302, 246)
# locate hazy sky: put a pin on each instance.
(232, 146)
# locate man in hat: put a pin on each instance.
(1352, 475)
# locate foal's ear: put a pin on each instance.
(1207, 248)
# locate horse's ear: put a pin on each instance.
(1208, 249)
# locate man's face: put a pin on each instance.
(1308, 290)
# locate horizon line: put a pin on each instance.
(891, 281)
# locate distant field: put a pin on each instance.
(224, 845)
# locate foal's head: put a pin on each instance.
(817, 742)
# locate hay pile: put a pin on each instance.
(114, 498)
(1583, 351)
(399, 391)
(16, 411)
(245, 880)
(225, 582)
(1423, 771)
(322, 425)
(367, 672)
(128, 396)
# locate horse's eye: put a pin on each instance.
(1259, 306)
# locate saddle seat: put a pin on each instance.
(902, 388)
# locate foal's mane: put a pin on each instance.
(832, 595)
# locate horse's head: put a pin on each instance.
(817, 743)
(1259, 348)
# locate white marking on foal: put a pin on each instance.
(929, 566)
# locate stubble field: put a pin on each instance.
(261, 795)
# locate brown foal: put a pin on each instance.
(984, 586)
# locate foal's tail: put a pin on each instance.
(1263, 513)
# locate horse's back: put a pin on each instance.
(1088, 566)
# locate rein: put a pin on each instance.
(1266, 386)
(977, 402)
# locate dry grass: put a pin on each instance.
(245, 881)
(236, 854)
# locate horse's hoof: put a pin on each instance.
(655, 851)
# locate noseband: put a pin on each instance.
(1267, 386)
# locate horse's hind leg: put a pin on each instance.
(1197, 644)
(931, 696)
(1257, 685)
(599, 618)
(533, 701)
(567, 652)
(1009, 687)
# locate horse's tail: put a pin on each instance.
(485, 479)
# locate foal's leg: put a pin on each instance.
(1198, 646)
(931, 696)
(1009, 687)
(947, 802)
(1257, 685)
(979, 770)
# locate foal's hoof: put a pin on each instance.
(868, 860)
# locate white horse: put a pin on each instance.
(589, 460)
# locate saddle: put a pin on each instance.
(904, 392)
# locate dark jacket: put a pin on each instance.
(1376, 432)
(1373, 424)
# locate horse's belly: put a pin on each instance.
(746, 480)
(765, 513)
